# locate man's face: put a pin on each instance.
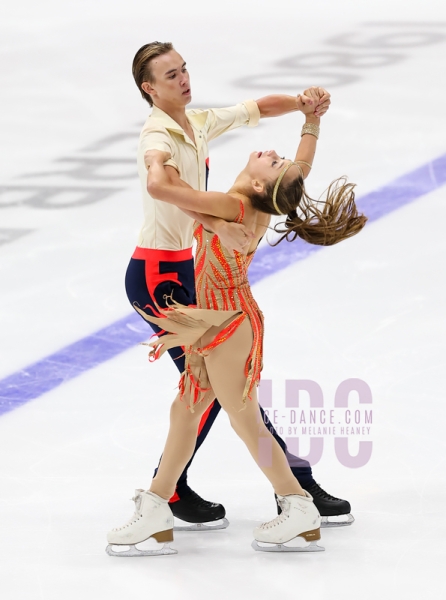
(170, 80)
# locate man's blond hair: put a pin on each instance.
(141, 64)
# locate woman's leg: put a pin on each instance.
(180, 445)
(137, 287)
(225, 366)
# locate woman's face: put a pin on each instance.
(265, 167)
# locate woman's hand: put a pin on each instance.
(233, 236)
(324, 102)
(314, 100)
(156, 156)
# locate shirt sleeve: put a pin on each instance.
(158, 139)
(221, 120)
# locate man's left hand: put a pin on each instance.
(316, 97)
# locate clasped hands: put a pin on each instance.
(315, 100)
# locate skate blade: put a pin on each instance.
(344, 521)
(133, 551)
(210, 526)
(264, 547)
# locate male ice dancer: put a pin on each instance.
(162, 265)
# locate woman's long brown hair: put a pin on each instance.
(322, 222)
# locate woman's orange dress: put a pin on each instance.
(223, 295)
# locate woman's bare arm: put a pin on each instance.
(307, 147)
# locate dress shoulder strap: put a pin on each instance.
(241, 214)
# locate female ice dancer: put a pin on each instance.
(223, 335)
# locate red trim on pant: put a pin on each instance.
(162, 255)
(152, 259)
(203, 420)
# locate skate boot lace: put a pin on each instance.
(316, 490)
(284, 515)
(136, 515)
(199, 501)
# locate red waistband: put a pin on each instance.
(162, 255)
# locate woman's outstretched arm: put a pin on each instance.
(308, 141)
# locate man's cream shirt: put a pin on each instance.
(165, 226)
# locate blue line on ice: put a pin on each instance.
(49, 372)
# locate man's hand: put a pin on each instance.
(234, 236)
(314, 100)
(155, 156)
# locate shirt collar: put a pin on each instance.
(197, 120)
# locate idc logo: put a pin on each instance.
(347, 424)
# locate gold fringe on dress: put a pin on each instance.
(185, 327)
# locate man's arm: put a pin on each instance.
(160, 187)
(277, 105)
(234, 236)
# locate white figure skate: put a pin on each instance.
(152, 519)
(299, 518)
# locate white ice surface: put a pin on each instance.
(371, 308)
